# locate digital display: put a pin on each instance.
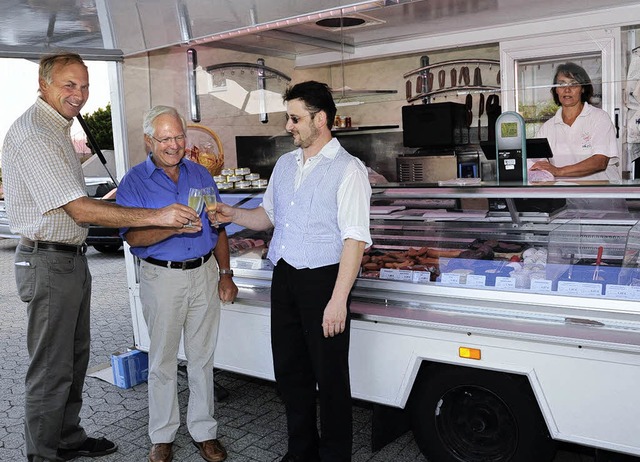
(509, 129)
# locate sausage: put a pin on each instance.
(371, 266)
(445, 253)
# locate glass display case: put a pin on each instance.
(448, 237)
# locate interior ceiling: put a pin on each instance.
(74, 24)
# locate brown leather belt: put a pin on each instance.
(46, 245)
(183, 265)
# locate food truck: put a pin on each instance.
(488, 318)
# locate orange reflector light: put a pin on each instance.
(469, 353)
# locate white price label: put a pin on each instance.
(541, 285)
(620, 291)
(396, 275)
(476, 280)
(421, 277)
(583, 289)
(503, 282)
(450, 278)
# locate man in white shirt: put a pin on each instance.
(317, 202)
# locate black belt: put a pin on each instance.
(183, 265)
(45, 245)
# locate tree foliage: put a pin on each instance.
(99, 123)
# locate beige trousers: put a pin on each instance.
(177, 302)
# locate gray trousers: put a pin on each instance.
(175, 304)
(57, 289)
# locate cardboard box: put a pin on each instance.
(130, 368)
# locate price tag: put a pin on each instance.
(620, 291)
(450, 278)
(421, 277)
(476, 280)
(396, 275)
(541, 285)
(583, 289)
(503, 282)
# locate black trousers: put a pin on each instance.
(303, 359)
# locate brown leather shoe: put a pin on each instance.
(161, 452)
(211, 450)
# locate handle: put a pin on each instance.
(599, 256)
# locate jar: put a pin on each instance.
(227, 171)
(242, 171)
(233, 178)
(252, 176)
(219, 178)
(259, 183)
(243, 184)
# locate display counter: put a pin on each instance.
(436, 249)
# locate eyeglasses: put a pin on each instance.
(296, 119)
(568, 83)
(169, 139)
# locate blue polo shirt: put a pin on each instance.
(146, 185)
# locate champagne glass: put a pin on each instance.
(195, 201)
(210, 200)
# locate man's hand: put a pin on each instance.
(178, 216)
(334, 319)
(227, 289)
(224, 213)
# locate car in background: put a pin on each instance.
(101, 238)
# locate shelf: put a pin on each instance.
(364, 128)
(462, 89)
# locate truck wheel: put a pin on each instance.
(463, 414)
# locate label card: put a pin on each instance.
(476, 280)
(450, 278)
(625, 292)
(583, 289)
(503, 282)
(541, 285)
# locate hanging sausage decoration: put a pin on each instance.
(477, 77)
(480, 113)
(442, 75)
(408, 89)
(464, 76)
(454, 77)
(429, 81)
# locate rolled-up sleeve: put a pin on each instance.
(354, 198)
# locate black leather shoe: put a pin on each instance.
(92, 447)
(288, 457)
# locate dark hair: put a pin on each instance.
(577, 73)
(316, 97)
(64, 58)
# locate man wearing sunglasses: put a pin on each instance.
(317, 202)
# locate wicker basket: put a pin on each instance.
(205, 148)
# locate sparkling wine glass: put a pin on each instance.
(195, 201)
(210, 200)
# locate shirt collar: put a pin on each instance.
(150, 167)
(53, 115)
(586, 110)
(329, 150)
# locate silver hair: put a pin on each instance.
(152, 114)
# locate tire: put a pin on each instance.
(463, 414)
(107, 248)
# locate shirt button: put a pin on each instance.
(282, 247)
(286, 225)
(291, 203)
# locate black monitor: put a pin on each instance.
(537, 148)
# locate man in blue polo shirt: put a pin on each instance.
(181, 286)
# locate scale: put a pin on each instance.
(511, 148)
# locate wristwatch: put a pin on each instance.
(226, 271)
